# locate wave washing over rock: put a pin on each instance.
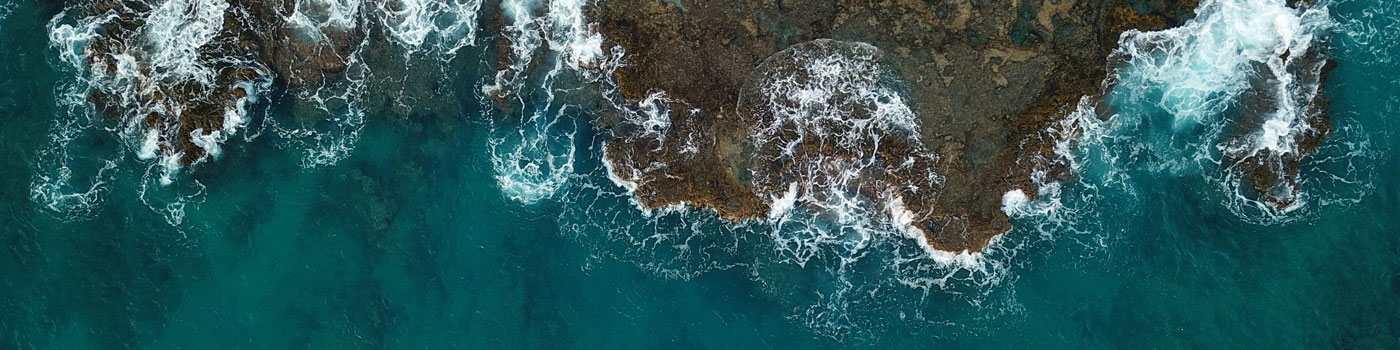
(896, 137)
(175, 80)
(1235, 94)
(973, 106)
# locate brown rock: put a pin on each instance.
(984, 79)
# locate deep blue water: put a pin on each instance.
(410, 241)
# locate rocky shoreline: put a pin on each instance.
(985, 81)
(933, 111)
(185, 80)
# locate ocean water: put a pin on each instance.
(381, 216)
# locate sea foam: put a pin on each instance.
(443, 26)
(1233, 60)
(532, 150)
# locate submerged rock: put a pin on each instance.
(306, 41)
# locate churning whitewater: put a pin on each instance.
(1229, 96)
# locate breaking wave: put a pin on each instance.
(315, 19)
(829, 94)
(1231, 96)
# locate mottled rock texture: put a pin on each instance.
(984, 77)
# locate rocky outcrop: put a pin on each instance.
(179, 78)
(182, 68)
(1272, 173)
(984, 80)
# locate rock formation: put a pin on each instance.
(984, 80)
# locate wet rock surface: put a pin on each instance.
(305, 41)
(1272, 174)
(152, 76)
(984, 80)
(183, 81)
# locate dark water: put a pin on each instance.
(410, 242)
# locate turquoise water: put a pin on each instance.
(410, 241)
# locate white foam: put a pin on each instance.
(563, 29)
(236, 118)
(837, 78)
(169, 166)
(337, 114)
(208, 141)
(149, 145)
(536, 160)
(524, 35)
(169, 49)
(814, 96)
(313, 18)
(630, 182)
(445, 26)
(70, 40)
(1014, 202)
(905, 221)
(611, 170)
(1206, 67)
(781, 206)
(569, 32)
(858, 249)
(652, 116)
(824, 216)
(1205, 64)
(174, 34)
(166, 50)
(56, 192)
(325, 145)
(558, 31)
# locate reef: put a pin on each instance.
(982, 80)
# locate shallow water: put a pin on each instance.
(433, 231)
